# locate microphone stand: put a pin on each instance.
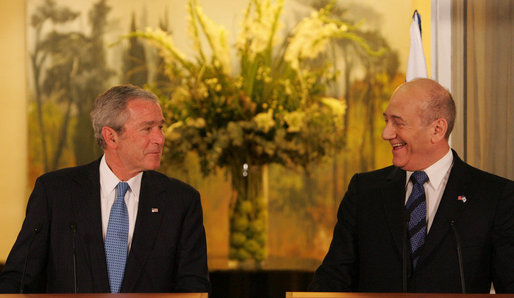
(22, 281)
(73, 228)
(459, 255)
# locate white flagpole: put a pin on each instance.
(416, 66)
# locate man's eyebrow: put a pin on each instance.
(160, 122)
(395, 117)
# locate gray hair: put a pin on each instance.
(437, 104)
(440, 105)
(109, 108)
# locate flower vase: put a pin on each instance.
(248, 216)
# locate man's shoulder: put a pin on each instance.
(70, 172)
(473, 174)
(381, 174)
(377, 178)
(168, 182)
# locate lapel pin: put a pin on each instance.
(462, 198)
(155, 210)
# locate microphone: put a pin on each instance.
(73, 228)
(22, 281)
(406, 218)
(459, 255)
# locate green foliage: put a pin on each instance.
(271, 109)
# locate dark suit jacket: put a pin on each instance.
(168, 252)
(366, 250)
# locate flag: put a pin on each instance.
(416, 66)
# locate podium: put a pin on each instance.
(107, 295)
(388, 295)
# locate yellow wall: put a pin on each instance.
(13, 112)
(13, 123)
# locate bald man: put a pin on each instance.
(429, 222)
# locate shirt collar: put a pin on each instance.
(437, 171)
(109, 181)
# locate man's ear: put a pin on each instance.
(439, 128)
(110, 137)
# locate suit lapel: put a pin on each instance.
(145, 232)
(86, 204)
(449, 208)
(394, 202)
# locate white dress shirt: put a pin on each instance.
(108, 183)
(438, 174)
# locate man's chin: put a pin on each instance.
(399, 162)
(156, 166)
(153, 164)
(407, 167)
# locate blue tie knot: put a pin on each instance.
(419, 177)
(122, 189)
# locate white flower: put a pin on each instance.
(265, 120)
(164, 42)
(171, 133)
(310, 38)
(216, 36)
(294, 121)
(196, 123)
(259, 26)
(338, 107)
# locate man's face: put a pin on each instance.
(406, 131)
(139, 145)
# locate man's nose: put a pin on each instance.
(388, 133)
(158, 136)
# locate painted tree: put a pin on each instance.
(166, 78)
(48, 60)
(135, 70)
(93, 79)
(69, 70)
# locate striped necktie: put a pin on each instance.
(116, 239)
(417, 210)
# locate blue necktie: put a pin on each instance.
(417, 210)
(116, 239)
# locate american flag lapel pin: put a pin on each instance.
(155, 210)
(462, 198)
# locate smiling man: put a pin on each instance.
(114, 225)
(429, 222)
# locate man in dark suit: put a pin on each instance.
(449, 228)
(114, 225)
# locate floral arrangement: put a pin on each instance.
(268, 106)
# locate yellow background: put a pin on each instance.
(14, 189)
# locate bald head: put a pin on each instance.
(418, 121)
(436, 101)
